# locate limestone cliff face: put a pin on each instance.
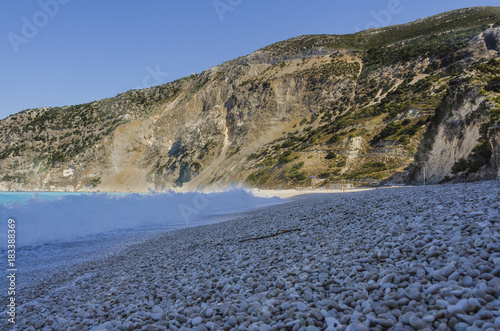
(485, 45)
(457, 134)
(495, 142)
(465, 119)
(360, 108)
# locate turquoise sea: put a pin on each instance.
(23, 197)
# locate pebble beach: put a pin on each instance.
(409, 258)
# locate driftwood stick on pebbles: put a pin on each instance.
(271, 235)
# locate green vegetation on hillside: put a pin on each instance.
(436, 46)
(365, 40)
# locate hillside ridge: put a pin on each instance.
(381, 105)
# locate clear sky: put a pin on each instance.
(64, 52)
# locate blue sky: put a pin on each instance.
(63, 52)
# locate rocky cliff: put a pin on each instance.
(381, 105)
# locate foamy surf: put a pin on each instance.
(76, 217)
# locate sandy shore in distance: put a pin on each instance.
(410, 258)
(284, 194)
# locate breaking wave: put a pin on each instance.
(70, 218)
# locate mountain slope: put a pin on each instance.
(359, 108)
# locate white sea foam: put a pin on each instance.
(71, 218)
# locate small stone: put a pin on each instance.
(264, 327)
(209, 313)
(475, 303)
(261, 288)
(447, 271)
(157, 309)
(330, 321)
(412, 293)
(433, 289)
(384, 322)
(316, 315)
(417, 323)
(156, 316)
(357, 327)
(474, 273)
(454, 310)
(468, 282)
(301, 306)
(391, 278)
(469, 305)
(487, 276)
(196, 321)
(484, 255)
(254, 327)
(286, 306)
(461, 326)
(467, 319)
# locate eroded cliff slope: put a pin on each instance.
(383, 104)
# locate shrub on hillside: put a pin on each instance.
(494, 84)
(459, 166)
(330, 155)
(389, 130)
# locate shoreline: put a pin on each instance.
(363, 260)
(290, 193)
(264, 192)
